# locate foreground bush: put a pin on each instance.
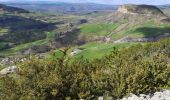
(138, 69)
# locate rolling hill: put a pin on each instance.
(61, 7)
(9, 9)
(84, 56)
(133, 22)
(130, 23)
(16, 29)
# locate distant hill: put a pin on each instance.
(167, 5)
(165, 9)
(136, 13)
(16, 29)
(141, 9)
(56, 7)
(131, 23)
(8, 9)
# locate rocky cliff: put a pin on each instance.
(141, 9)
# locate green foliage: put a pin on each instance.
(137, 69)
(23, 32)
(3, 46)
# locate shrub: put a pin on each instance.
(138, 69)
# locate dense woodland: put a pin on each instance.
(138, 69)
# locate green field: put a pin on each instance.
(147, 29)
(93, 50)
(97, 29)
(98, 50)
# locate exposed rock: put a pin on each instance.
(141, 9)
(75, 51)
(166, 20)
(27, 52)
(102, 98)
(162, 95)
(8, 70)
(36, 49)
(134, 14)
(6, 61)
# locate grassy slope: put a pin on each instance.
(14, 50)
(147, 29)
(50, 35)
(95, 50)
(97, 29)
(98, 50)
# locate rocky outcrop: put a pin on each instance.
(135, 14)
(6, 61)
(8, 70)
(162, 95)
(141, 9)
(75, 52)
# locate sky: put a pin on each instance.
(153, 2)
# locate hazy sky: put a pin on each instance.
(157, 2)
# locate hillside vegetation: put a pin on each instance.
(138, 69)
(94, 50)
(22, 32)
(146, 29)
(8, 9)
(19, 32)
(97, 29)
(89, 55)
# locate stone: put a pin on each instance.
(75, 52)
(8, 70)
(124, 99)
(134, 97)
(140, 9)
(162, 95)
(100, 98)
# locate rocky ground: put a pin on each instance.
(162, 95)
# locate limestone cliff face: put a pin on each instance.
(141, 9)
(123, 9)
(134, 14)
